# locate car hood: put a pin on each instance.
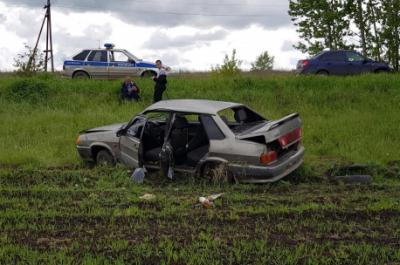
(107, 128)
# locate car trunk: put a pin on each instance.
(281, 136)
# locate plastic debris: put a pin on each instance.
(208, 202)
(138, 175)
(354, 179)
(147, 196)
(170, 173)
(213, 197)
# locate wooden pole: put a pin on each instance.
(50, 36)
(46, 58)
(36, 45)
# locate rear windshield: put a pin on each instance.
(240, 119)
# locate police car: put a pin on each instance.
(108, 63)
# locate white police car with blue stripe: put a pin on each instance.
(108, 63)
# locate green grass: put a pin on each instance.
(96, 217)
(54, 211)
(348, 119)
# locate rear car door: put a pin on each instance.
(121, 65)
(97, 64)
(130, 142)
(334, 62)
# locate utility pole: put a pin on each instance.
(49, 40)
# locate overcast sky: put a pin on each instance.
(185, 34)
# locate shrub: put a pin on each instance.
(230, 67)
(28, 90)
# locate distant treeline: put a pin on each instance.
(372, 26)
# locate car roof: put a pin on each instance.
(322, 52)
(192, 106)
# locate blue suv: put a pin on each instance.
(340, 63)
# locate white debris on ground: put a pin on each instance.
(208, 202)
(147, 196)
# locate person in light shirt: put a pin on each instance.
(160, 81)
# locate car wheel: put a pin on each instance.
(80, 75)
(323, 73)
(217, 173)
(104, 158)
(380, 71)
(148, 74)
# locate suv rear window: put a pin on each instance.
(81, 56)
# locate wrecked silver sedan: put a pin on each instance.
(198, 137)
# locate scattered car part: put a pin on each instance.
(139, 174)
(354, 179)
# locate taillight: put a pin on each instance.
(289, 138)
(305, 63)
(268, 158)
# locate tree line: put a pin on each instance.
(371, 26)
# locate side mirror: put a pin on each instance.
(131, 61)
(121, 132)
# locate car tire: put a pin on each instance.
(380, 71)
(148, 74)
(80, 75)
(217, 173)
(105, 158)
(322, 73)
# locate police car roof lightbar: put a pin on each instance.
(109, 45)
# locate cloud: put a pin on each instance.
(161, 40)
(69, 43)
(287, 46)
(172, 13)
(196, 45)
(3, 18)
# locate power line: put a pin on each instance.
(88, 8)
(165, 12)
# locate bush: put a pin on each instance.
(28, 90)
(230, 67)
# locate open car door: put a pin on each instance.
(130, 143)
(167, 161)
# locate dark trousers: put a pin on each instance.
(158, 92)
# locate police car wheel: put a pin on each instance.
(148, 74)
(80, 75)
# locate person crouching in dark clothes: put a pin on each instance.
(161, 82)
(129, 90)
